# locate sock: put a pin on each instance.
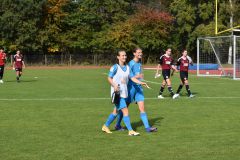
(126, 120)
(110, 119)
(119, 119)
(20, 75)
(17, 78)
(179, 88)
(161, 90)
(170, 90)
(1, 75)
(144, 120)
(188, 90)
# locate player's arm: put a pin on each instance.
(173, 66)
(23, 64)
(190, 60)
(158, 68)
(13, 63)
(135, 80)
(114, 85)
(5, 58)
(111, 73)
(160, 62)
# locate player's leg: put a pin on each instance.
(162, 85)
(109, 120)
(182, 77)
(169, 85)
(143, 115)
(130, 99)
(17, 74)
(188, 88)
(20, 73)
(126, 119)
(1, 73)
(162, 89)
(119, 120)
(174, 96)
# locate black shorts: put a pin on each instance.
(18, 69)
(166, 73)
(184, 75)
(1, 69)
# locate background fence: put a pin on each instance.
(77, 59)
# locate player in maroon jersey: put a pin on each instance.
(18, 64)
(2, 63)
(184, 62)
(166, 62)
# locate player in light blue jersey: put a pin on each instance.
(135, 91)
(118, 77)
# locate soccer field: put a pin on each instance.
(58, 114)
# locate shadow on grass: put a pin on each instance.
(185, 94)
(21, 81)
(156, 122)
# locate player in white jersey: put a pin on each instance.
(118, 78)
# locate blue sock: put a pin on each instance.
(119, 118)
(126, 120)
(144, 120)
(110, 119)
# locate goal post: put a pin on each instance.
(236, 53)
(218, 56)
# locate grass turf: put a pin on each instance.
(56, 115)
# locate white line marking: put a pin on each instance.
(103, 98)
(203, 83)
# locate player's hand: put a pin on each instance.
(145, 85)
(116, 88)
(157, 75)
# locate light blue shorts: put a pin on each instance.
(122, 104)
(135, 93)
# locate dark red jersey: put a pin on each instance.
(166, 62)
(18, 59)
(2, 58)
(183, 62)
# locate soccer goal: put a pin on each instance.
(218, 56)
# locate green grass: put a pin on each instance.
(55, 117)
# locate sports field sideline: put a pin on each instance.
(58, 113)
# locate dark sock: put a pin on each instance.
(179, 88)
(188, 90)
(17, 78)
(170, 90)
(161, 90)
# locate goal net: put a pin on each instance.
(218, 56)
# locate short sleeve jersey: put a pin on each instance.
(113, 70)
(18, 59)
(2, 59)
(183, 63)
(166, 62)
(135, 69)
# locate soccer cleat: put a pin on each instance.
(151, 129)
(119, 128)
(133, 133)
(175, 96)
(1, 81)
(160, 97)
(106, 129)
(191, 96)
